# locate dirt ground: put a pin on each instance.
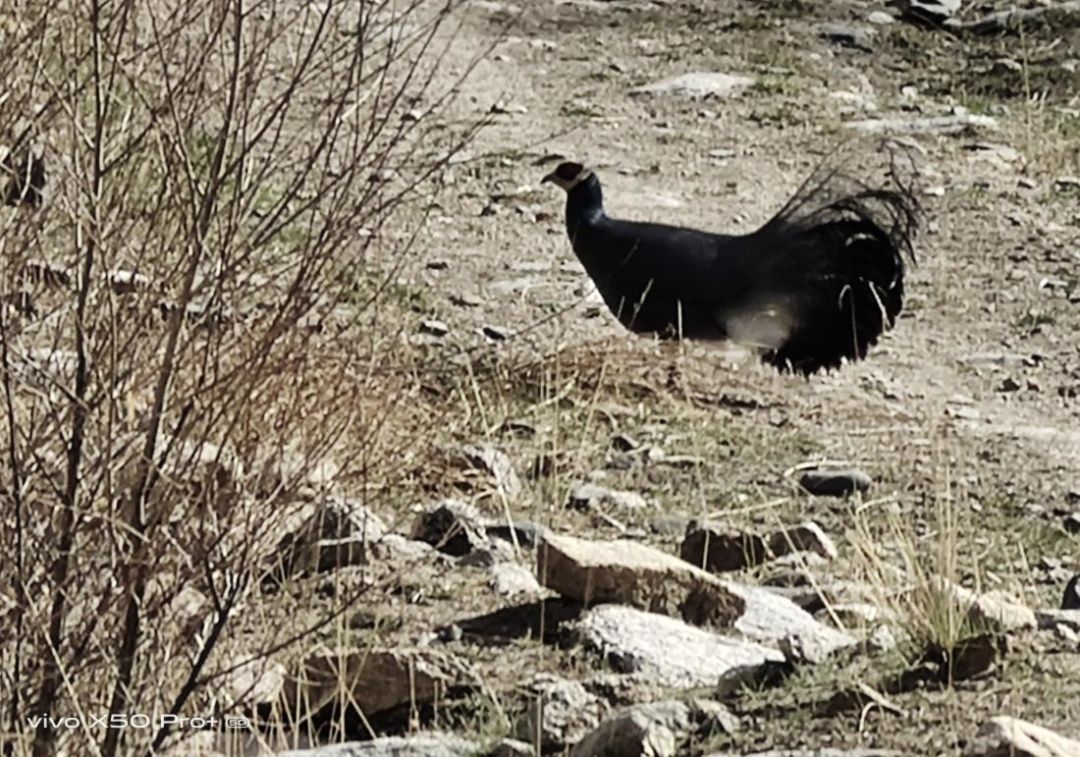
(972, 403)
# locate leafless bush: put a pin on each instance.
(192, 321)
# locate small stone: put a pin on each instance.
(851, 615)
(562, 712)
(992, 611)
(452, 527)
(881, 18)
(1001, 612)
(643, 730)
(417, 745)
(374, 680)
(511, 579)
(834, 483)
(433, 327)
(1072, 523)
(696, 84)
(805, 650)
(397, 548)
(498, 465)
(593, 497)
(714, 718)
(881, 639)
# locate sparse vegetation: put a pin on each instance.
(210, 329)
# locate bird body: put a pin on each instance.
(815, 285)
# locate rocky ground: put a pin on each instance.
(591, 559)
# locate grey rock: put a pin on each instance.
(881, 18)
(956, 123)
(851, 614)
(719, 549)
(374, 680)
(418, 745)
(340, 518)
(397, 548)
(561, 713)
(644, 730)
(629, 573)
(995, 611)
(834, 483)
(667, 651)
(881, 639)
(696, 84)
(626, 572)
(849, 35)
(771, 618)
(714, 718)
(594, 497)
(451, 527)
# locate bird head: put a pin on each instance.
(568, 175)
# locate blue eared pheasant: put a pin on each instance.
(816, 285)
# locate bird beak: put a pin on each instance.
(546, 179)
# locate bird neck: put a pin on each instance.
(584, 205)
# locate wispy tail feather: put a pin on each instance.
(835, 256)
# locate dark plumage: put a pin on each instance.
(815, 285)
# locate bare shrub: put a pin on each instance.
(194, 328)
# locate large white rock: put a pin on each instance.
(667, 651)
